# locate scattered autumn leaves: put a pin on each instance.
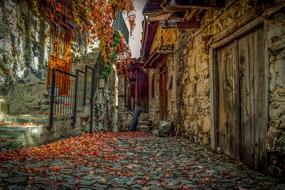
(74, 149)
(106, 157)
(66, 155)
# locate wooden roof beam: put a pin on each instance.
(190, 14)
(187, 4)
(180, 24)
(159, 17)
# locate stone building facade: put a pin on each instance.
(194, 66)
(154, 114)
(155, 92)
(30, 47)
(25, 49)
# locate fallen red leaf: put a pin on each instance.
(54, 168)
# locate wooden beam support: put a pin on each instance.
(190, 13)
(180, 24)
(189, 24)
(160, 17)
(186, 4)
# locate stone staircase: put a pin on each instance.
(21, 130)
(144, 123)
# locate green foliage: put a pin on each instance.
(106, 71)
(116, 41)
(108, 66)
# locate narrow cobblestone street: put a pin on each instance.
(126, 161)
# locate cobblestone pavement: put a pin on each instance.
(139, 162)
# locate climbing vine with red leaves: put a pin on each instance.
(95, 17)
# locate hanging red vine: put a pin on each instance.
(95, 17)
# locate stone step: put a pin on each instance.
(45, 108)
(5, 142)
(144, 128)
(27, 118)
(7, 137)
(11, 137)
(144, 116)
(11, 132)
(11, 144)
(144, 124)
(147, 123)
(19, 136)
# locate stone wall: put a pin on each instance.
(154, 114)
(195, 95)
(180, 58)
(27, 98)
(38, 133)
(24, 44)
(106, 103)
(171, 89)
(124, 114)
(24, 56)
(193, 58)
(276, 53)
(172, 77)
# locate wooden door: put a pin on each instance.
(252, 99)
(241, 100)
(228, 100)
(163, 92)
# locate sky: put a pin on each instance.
(135, 40)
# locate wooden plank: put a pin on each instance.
(160, 17)
(251, 103)
(189, 24)
(259, 87)
(222, 112)
(245, 99)
(235, 31)
(191, 4)
(190, 13)
(228, 99)
(232, 100)
(214, 99)
(236, 104)
(266, 90)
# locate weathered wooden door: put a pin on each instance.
(241, 100)
(163, 92)
(252, 98)
(229, 100)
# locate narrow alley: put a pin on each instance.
(142, 94)
(121, 161)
